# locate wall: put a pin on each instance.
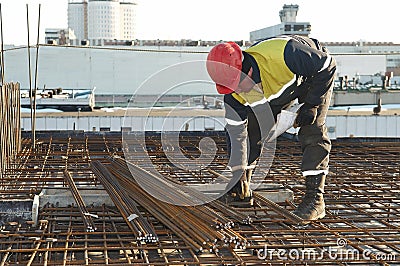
(364, 126)
(353, 65)
(117, 71)
(115, 123)
(338, 126)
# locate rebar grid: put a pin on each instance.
(363, 219)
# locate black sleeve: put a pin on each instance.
(246, 126)
(237, 111)
(317, 66)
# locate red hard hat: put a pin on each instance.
(224, 64)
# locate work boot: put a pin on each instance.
(312, 206)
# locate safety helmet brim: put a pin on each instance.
(223, 89)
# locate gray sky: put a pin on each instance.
(338, 20)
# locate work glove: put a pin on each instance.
(241, 189)
(307, 115)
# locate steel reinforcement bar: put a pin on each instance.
(362, 225)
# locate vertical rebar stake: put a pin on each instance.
(36, 75)
(30, 76)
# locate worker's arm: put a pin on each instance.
(317, 66)
(252, 123)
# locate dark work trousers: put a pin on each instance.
(254, 136)
(315, 143)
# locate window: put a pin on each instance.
(288, 27)
(298, 27)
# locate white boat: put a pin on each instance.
(60, 99)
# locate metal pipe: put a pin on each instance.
(2, 46)
(86, 215)
(31, 94)
(36, 77)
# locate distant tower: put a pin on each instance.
(287, 26)
(102, 19)
(289, 13)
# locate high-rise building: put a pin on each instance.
(102, 19)
(77, 18)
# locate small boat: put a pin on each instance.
(61, 99)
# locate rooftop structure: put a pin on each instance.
(288, 13)
(59, 36)
(288, 25)
(391, 52)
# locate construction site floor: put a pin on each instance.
(362, 225)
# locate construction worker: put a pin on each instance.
(258, 83)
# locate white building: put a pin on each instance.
(128, 18)
(59, 36)
(96, 20)
(77, 18)
(387, 50)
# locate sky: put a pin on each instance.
(339, 20)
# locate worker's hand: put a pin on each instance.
(306, 115)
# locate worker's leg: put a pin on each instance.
(241, 190)
(316, 147)
(254, 134)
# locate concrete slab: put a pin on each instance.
(62, 197)
(276, 195)
(273, 192)
(15, 210)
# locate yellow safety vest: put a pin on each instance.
(275, 74)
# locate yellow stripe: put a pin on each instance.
(274, 72)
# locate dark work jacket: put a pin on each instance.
(288, 67)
